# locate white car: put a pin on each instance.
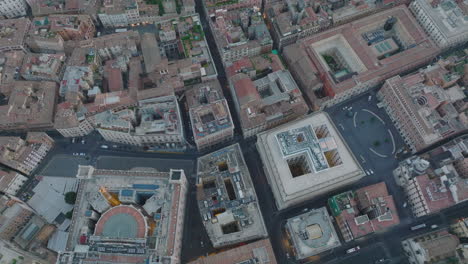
(83, 141)
(354, 249)
(82, 154)
(76, 154)
(434, 226)
(371, 171)
(367, 172)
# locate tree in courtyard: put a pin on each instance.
(70, 197)
(69, 214)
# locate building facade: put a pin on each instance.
(444, 21)
(209, 114)
(13, 8)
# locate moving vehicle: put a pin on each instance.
(416, 227)
(354, 249)
(104, 146)
(434, 226)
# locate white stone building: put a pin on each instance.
(444, 21)
(13, 8)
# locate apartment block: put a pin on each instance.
(24, 155)
(154, 123)
(11, 181)
(211, 6)
(43, 67)
(71, 120)
(260, 251)
(42, 8)
(293, 20)
(266, 102)
(13, 8)
(226, 198)
(437, 246)
(209, 114)
(10, 63)
(182, 61)
(13, 34)
(119, 13)
(422, 106)
(364, 211)
(248, 38)
(443, 20)
(123, 13)
(435, 182)
(48, 33)
(31, 105)
(112, 46)
(14, 216)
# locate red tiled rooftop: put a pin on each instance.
(114, 77)
(238, 65)
(371, 192)
(444, 199)
(376, 69)
(246, 90)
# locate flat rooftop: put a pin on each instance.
(13, 33)
(451, 17)
(30, 105)
(260, 252)
(312, 233)
(306, 157)
(209, 110)
(226, 198)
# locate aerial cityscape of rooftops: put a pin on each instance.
(233, 131)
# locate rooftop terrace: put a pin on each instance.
(226, 198)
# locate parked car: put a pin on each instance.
(416, 227)
(434, 226)
(354, 249)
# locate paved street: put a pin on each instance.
(63, 165)
(126, 163)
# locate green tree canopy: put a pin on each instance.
(70, 197)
